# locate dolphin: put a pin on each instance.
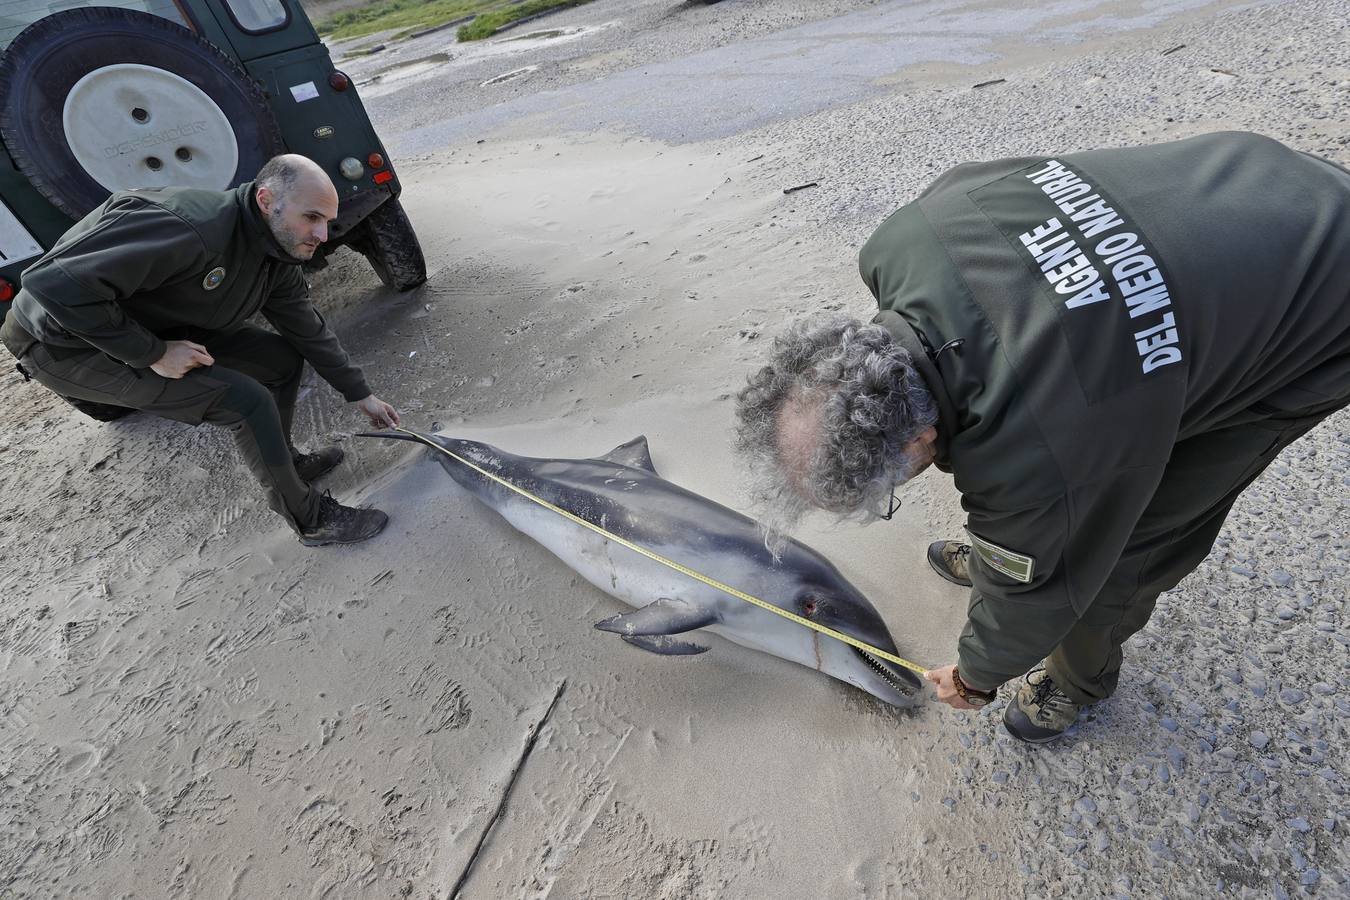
(622, 493)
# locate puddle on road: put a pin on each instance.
(394, 75)
(412, 67)
(545, 35)
(508, 76)
(520, 42)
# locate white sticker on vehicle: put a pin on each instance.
(303, 92)
(16, 244)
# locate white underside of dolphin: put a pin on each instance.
(621, 493)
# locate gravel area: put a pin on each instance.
(1220, 768)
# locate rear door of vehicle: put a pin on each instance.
(278, 46)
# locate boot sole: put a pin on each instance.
(1027, 740)
(934, 556)
(1008, 712)
(311, 542)
(324, 542)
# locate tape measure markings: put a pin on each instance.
(670, 563)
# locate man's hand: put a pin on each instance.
(381, 414)
(946, 690)
(181, 357)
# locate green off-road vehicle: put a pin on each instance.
(150, 93)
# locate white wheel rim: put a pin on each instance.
(133, 126)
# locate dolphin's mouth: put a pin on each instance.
(905, 683)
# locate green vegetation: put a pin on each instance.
(486, 24)
(408, 15)
(411, 15)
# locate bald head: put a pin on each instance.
(298, 200)
(837, 418)
(798, 436)
(290, 171)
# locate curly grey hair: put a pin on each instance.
(860, 393)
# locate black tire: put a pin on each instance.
(102, 412)
(46, 60)
(387, 240)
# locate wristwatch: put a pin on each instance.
(968, 693)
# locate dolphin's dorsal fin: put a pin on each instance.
(633, 454)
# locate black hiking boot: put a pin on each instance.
(1040, 712)
(102, 412)
(313, 466)
(951, 560)
(338, 524)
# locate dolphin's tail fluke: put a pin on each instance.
(463, 460)
(405, 435)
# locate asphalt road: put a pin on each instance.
(682, 72)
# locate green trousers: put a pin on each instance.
(251, 391)
(1176, 532)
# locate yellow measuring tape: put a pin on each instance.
(670, 563)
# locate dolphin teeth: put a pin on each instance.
(655, 512)
(884, 672)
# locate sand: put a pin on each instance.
(193, 705)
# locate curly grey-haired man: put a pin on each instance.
(1104, 349)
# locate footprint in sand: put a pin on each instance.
(80, 758)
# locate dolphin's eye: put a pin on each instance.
(809, 607)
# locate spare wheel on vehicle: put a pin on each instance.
(102, 99)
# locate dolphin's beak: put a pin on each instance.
(886, 681)
(899, 677)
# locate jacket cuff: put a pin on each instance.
(976, 675)
(357, 391)
(151, 356)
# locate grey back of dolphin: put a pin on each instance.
(622, 493)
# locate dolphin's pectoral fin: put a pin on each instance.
(633, 454)
(665, 645)
(663, 616)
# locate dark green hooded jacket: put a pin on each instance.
(1110, 303)
(175, 263)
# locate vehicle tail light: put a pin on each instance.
(375, 161)
(383, 177)
(6, 290)
(339, 82)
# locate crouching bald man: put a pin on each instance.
(1104, 349)
(143, 303)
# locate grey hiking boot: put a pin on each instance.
(951, 560)
(338, 524)
(312, 466)
(1040, 711)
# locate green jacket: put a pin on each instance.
(175, 263)
(1111, 303)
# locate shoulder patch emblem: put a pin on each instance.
(214, 278)
(1017, 566)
